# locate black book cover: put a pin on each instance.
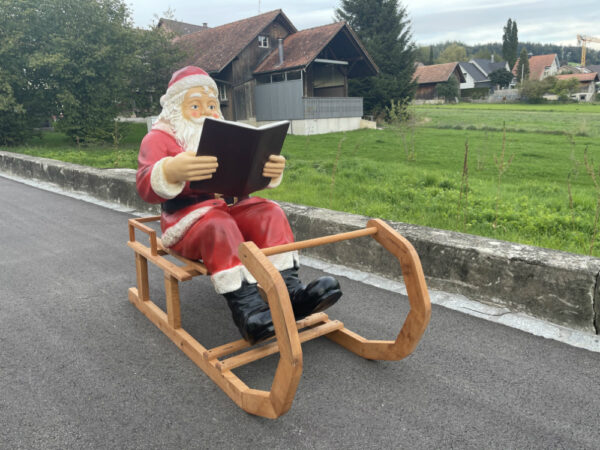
(242, 151)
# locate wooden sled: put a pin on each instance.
(289, 334)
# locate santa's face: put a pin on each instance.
(200, 102)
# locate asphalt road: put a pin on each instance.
(80, 367)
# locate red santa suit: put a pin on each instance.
(198, 225)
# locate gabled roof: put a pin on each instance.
(437, 73)
(582, 77)
(488, 66)
(537, 65)
(473, 70)
(179, 28)
(213, 48)
(302, 48)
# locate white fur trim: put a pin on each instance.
(174, 233)
(228, 280)
(186, 83)
(285, 261)
(160, 185)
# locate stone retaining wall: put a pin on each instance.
(557, 286)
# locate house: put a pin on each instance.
(428, 77)
(267, 70)
(593, 68)
(486, 66)
(587, 85)
(477, 73)
(540, 67)
(474, 77)
(179, 28)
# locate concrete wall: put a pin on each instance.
(556, 286)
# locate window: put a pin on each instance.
(222, 92)
(263, 41)
(297, 75)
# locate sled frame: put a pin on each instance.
(289, 333)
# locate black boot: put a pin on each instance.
(250, 313)
(317, 296)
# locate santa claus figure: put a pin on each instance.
(202, 225)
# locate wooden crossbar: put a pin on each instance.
(269, 349)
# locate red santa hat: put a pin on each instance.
(186, 78)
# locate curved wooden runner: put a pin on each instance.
(289, 334)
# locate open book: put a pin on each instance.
(242, 151)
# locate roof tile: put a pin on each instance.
(437, 73)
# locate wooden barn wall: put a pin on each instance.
(242, 77)
(425, 92)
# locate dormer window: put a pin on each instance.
(263, 41)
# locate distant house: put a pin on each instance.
(477, 73)
(179, 28)
(474, 78)
(267, 70)
(488, 66)
(593, 68)
(587, 85)
(540, 67)
(428, 77)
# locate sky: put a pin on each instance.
(432, 21)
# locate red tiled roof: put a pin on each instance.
(212, 49)
(179, 28)
(437, 73)
(301, 48)
(537, 65)
(582, 77)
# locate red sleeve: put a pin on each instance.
(154, 147)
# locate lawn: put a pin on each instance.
(538, 193)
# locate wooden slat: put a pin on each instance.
(161, 262)
(269, 349)
(141, 269)
(173, 304)
(235, 346)
(319, 241)
(190, 265)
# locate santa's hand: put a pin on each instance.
(186, 166)
(274, 166)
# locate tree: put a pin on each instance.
(453, 53)
(522, 72)
(501, 77)
(564, 88)
(533, 91)
(79, 60)
(448, 90)
(384, 29)
(510, 42)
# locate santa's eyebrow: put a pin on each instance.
(198, 95)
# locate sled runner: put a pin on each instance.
(289, 334)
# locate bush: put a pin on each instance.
(448, 90)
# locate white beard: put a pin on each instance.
(187, 132)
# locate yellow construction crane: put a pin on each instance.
(582, 39)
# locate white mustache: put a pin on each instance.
(197, 120)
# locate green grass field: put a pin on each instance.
(546, 197)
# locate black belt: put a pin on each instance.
(177, 203)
